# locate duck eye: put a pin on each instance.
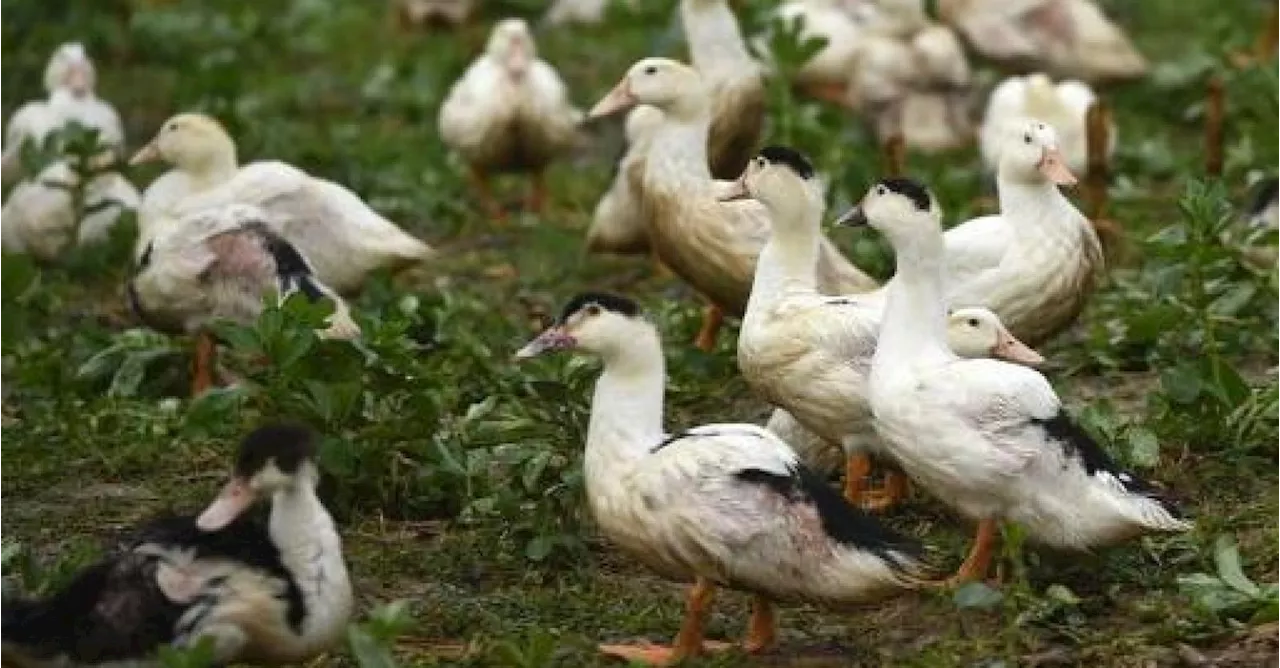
(973, 322)
(172, 127)
(592, 310)
(1027, 138)
(761, 162)
(652, 69)
(881, 190)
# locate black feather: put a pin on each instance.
(1077, 443)
(292, 269)
(911, 189)
(1266, 192)
(145, 260)
(605, 300)
(844, 523)
(288, 445)
(790, 157)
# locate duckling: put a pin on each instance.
(340, 235)
(723, 505)
(69, 78)
(988, 437)
(736, 82)
(274, 594)
(220, 263)
(1063, 105)
(509, 112)
(712, 245)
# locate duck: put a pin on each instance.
(70, 79)
(617, 223)
(1263, 211)
(803, 351)
(581, 12)
(721, 505)
(272, 594)
(438, 13)
(734, 78)
(988, 437)
(342, 237)
(220, 263)
(1067, 38)
(840, 24)
(712, 245)
(509, 112)
(39, 216)
(1063, 105)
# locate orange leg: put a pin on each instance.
(834, 93)
(896, 486)
(762, 629)
(537, 199)
(855, 473)
(202, 371)
(689, 642)
(491, 207)
(978, 562)
(712, 318)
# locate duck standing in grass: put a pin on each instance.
(723, 505)
(988, 437)
(341, 236)
(710, 244)
(221, 263)
(273, 594)
(510, 112)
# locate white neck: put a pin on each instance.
(677, 159)
(1037, 205)
(211, 169)
(626, 410)
(311, 551)
(915, 317)
(789, 260)
(713, 35)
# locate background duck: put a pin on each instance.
(735, 80)
(221, 263)
(1063, 105)
(342, 238)
(274, 594)
(711, 244)
(39, 216)
(509, 112)
(989, 438)
(825, 76)
(724, 505)
(618, 222)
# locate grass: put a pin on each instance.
(454, 474)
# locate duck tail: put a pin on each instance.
(46, 626)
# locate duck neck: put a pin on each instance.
(713, 34)
(311, 550)
(626, 410)
(214, 168)
(915, 316)
(789, 260)
(676, 164)
(1034, 203)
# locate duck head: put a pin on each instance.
(191, 142)
(594, 322)
(977, 332)
(1031, 155)
(898, 208)
(511, 45)
(271, 460)
(671, 86)
(70, 69)
(783, 180)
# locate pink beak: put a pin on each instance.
(552, 338)
(518, 59)
(1054, 168)
(736, 190)
(1010, 349)
(235, 498)
(148, 153)
(618, 99)
(79, 79)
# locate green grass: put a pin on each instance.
(454, 473)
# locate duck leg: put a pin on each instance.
(762, 629)
(537, 199)
(202, 367)
(836, 94)
(490, 206)
(978, 562)
(688, 643)
(855, 474)
(896, 487)
(712, 319)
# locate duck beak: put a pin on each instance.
(79, 78)
(733, 191)
(618, 99)
(854, 217)
(148, 153)
(553, 338)
(1054, 168)
(1010, 349)
(235, 498)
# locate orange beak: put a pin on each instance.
(618, 99)
(1054, 168)
(235, 498)
(1010, 349)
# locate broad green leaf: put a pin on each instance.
(1144, 448)
(538, 548)
(1227, 558)
(1062, 594)
(1181, 383)
(977, 595)
(367, 651)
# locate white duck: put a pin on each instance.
(220, 263)
(1063, 106)
(275, 594)
(735, 80)
(825, 76)
(971, 332)
(342, 238)
(803, 351)
(988, 437)
(710, 244)
(39, 216)
(618, 223)
(723, 505)
(1070, 38)
(509, 112)
(69, 79)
